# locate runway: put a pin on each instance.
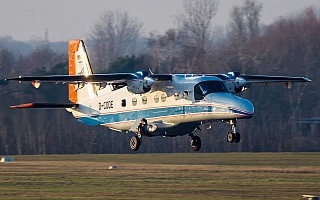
(162, 176)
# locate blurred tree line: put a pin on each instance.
(289, 46)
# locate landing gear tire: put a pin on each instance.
(195, 143)
(237, 138)
(135, 143)
(230, 137)
(233, 138)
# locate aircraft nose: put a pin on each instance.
(247, 108)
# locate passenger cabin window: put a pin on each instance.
(156, 98)
(163, 97)
(134, 101)
(144, 100)
(206, 87)
(176, 96)
(185, 94)
(123, 103)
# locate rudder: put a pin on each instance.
(79, 65)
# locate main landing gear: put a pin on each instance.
(233, 136)
(135, 141)
(195, 141)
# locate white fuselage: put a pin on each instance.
(171, 103)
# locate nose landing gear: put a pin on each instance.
(195, 143)
(233, 136)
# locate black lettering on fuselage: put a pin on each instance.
(105, 105)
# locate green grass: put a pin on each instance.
(162, 176)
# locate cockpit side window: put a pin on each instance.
(206, 87)
(198, 93)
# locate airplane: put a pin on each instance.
(148, 104)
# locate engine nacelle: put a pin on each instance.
(240, 84)
(140, 86)
(236, 83)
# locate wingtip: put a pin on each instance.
(26, 105)
(306, 79)
(9, 79)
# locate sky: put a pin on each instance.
(74, 19)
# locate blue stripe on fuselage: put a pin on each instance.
(160, 112)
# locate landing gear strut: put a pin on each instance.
(233, 136)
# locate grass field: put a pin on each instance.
(162, 176)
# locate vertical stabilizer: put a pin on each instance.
(79, 65)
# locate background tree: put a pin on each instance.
(114, 35)
(243, 27)
(195, 28)
(164, 51)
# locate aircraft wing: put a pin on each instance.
(138, 82)
(234, 80)
(94, 78)
(77, 78)
(272, 79)
(237, 82)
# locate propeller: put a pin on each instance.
(142, 83)
(239, 83)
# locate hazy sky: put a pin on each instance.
(70, 19)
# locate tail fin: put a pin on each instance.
(79, 65)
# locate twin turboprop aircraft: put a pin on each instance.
(149, 104)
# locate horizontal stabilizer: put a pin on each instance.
(46, 105)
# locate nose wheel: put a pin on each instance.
(195, 143)
(233, 136)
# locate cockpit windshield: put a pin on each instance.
(206, 87)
